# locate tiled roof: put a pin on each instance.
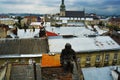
(50, 60)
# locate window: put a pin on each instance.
(115, 59)
(106, 57)
(98, 58)
(88, 59)
(115, 56)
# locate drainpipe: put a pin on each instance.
(34, 68)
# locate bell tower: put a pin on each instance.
(62, 9)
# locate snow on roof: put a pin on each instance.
(20, 55)
(89, 19)
(3, 19)
(28, 34)
(11, 27)
(76, 24)
(100, 31)
(35, 23)
(103, 73)
(76, 31)
(100, 43)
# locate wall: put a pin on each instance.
(3, 33)
(20, 60)
(101, 63)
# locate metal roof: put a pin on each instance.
(100, 43)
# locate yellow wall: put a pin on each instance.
(3, 33)
(82, 57)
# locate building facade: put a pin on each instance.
(99, 59)
(7, 21)
(90, 52)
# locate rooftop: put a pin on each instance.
(103, 73)
(20, 55)
(99, 43)
(35, 24)
(28, 34)
(74, 14)
(76, 31)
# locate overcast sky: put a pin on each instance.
(52, 6)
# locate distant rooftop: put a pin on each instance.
(76, 31)
(35, 24)
(74, 14)
(28, 34)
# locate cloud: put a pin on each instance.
(52, 6)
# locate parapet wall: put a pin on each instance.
(23, 46)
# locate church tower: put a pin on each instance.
(62, 9)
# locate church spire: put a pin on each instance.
(62, 2)
(62, 6)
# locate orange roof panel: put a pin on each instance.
(50, 61)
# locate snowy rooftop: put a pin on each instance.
(78, 24)
(99, 43)
(20, 55)
(103, 73)
(35, 23)
(100, 31)
(76, 31)
(28, 34)
(3, 19)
